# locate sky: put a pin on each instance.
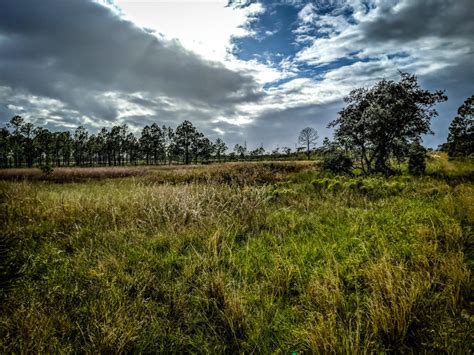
(243, 71)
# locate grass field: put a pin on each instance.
(246, 257)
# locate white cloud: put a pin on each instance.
(389, 27)
(205, 27)
(218, 131)
(307, 13)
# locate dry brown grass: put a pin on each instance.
(72, 174)
(240, 173)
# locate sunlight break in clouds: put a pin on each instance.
(205, 27)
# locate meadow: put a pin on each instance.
(256, 257)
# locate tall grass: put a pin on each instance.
(232, 172)
(223, 260)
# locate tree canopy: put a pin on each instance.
(23, 144)
(383, 121)
(461, 130)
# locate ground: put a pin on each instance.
(244, 257)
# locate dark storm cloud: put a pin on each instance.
(422, 18)
(73, 50)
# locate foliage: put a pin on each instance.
(46, 169)
(23, 144)
(461, 131)
(334, 158)
(220, 148)
(416, 159)
(338, 163)
(378, 122)
(240, 150)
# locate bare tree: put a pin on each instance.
(308, 137)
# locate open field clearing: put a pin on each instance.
(246, 257)
(236, 177)
(230, 172)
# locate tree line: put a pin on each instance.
(23, 144)
(379, 126)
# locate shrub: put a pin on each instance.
(321, 184)
(46, 169)
(335, 186)
(416, 159)
(338, 163)
(355, 185)
(357, 172)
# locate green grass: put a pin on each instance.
(220, 261)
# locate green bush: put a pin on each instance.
(46, 169)
(416, 159)
(338, 163)
(321, 184)
(335, 186)
(370, 186)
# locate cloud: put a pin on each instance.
(355, 43)
(381, 28)
(99, 63)
(416, 19)
(204, 27)
(279, 128)
(75, 51)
